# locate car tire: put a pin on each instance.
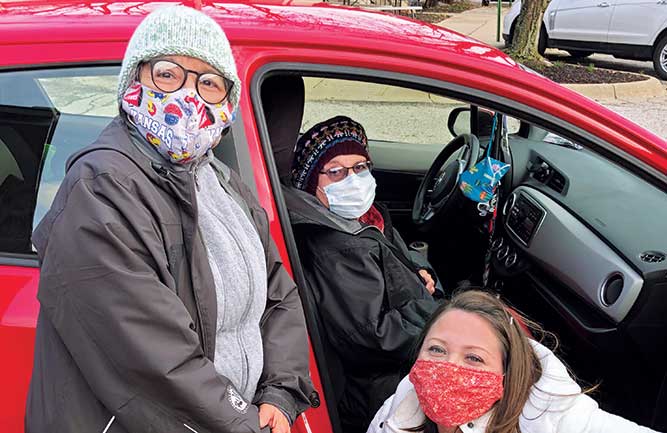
(542, 41)
(660, 58)
(579, 54)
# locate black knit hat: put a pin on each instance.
(321, 143)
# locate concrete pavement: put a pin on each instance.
(480, 23)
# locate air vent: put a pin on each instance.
(652, 256)
(611, 290)
(556, 182)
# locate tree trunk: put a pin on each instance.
(527, 31)
(429, 3)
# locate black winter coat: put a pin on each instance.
(372, 306)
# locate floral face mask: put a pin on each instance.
(452, 395)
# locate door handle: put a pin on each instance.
(606, 5)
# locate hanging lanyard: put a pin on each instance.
(491, 206)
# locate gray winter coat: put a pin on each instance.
(126, 332)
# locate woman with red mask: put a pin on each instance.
(478, 372)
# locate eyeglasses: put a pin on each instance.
(169, 77)
(336, 174)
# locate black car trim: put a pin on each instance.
(626, 51)
(59, 65)
(20, 260)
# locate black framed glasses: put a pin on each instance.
(336, 174)
(169, 77)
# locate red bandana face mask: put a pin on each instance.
(451, 395)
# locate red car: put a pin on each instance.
(580, 238)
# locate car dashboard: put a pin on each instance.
(590, 224)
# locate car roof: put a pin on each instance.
(31, 24)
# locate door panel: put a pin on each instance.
(582, 20)
(636, 21)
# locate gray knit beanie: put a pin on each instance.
(179, 30)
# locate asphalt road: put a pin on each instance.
(650, 113)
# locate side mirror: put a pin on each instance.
(459, 123)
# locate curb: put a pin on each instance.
(318, 89)
(633, 91)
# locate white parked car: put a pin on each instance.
(627, 29)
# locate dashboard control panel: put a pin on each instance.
(524, 218)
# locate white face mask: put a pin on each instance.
(353, 196)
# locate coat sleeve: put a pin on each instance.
(285, 381)
(377, 425)
(586, 417)
(556, 403)
(352, 289)
(128, 333)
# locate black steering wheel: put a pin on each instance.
(439, 188)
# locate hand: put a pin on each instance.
(274, 418)
(428, 280)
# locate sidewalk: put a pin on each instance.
(480, 23)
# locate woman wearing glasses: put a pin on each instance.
(157, 263)
(373, 300)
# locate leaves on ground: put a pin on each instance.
(453, 7)
(566, 73)
(431, 17)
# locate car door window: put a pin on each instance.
(395, 118)
(45, 116)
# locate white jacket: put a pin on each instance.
(555, 405)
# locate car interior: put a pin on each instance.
(576, 247)
(579, 237)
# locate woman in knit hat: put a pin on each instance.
(157, 263)
(373, 299)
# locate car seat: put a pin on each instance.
(283, 98)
